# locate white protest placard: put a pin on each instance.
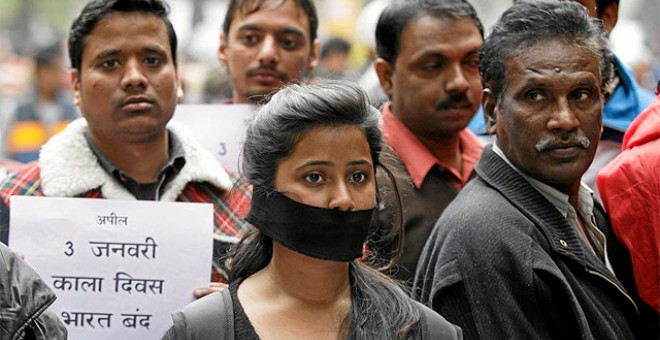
(119, 268)
(220, 128)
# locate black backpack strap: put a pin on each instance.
(211, 317)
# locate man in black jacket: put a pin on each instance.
(24, 299)
(524, 251)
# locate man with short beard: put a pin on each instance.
(266, 44)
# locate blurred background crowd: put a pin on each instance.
(34, 69)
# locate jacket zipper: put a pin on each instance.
(593, 272)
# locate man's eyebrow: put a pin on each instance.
(249, 27)
(155, 49)
(432, 54)
(106, 54)
(291, 30)
(286, 30)
(587, 82)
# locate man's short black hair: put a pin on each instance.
(398, 14)
(335, 44)
(97, 10)
(47, 56)
(246, 7)
(600, 5)
(529, 23)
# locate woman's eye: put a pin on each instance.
(358, 177)
(313, 178)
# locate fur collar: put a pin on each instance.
(70, 168)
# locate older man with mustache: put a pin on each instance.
(525, 251)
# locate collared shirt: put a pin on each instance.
(419, 160)
(591, 236)
(145, 191)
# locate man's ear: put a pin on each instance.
(75, 86)
(610, 16)
(222, 50)
(385, 71)
(314, 55)
(489, 103)
(179, 88)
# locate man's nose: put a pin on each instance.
(563, 117)
(456, 81)
(133, 75)
(269, 51)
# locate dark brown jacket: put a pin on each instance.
(421, 208)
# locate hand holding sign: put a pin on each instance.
(115, 265)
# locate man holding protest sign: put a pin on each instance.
(125, 81)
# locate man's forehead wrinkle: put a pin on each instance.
(533, 70)
(250, 8)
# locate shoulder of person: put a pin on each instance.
(18, 280)
(437, 327)
(210, 317)
(26, 180)
(480, 213)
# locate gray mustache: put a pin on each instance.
(551, 142)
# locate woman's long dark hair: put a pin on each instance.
(380, 309)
